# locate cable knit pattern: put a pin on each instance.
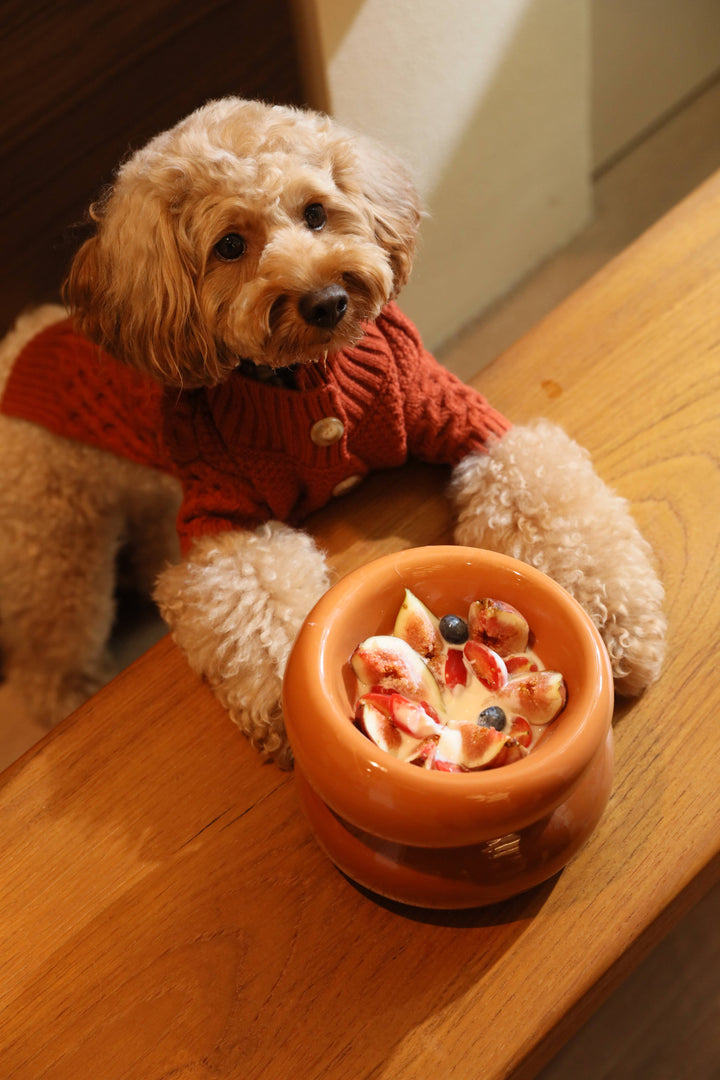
(63, 382)
(242, 450)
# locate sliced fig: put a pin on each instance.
(410, 716)
(487, 665)
(455, 673)
(517, 664)
(383, 732)
(378, 727)
(379, 699)
(499, 625)
(390, 662)
(417, 625)
(538, 696)
(425, 755)
(521, 731)
(470, 746)
(511, 751)
(445, 766)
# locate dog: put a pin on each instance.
(230, 357)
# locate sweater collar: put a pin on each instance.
(269, 376)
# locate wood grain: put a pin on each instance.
(82, 84)
(166, 912)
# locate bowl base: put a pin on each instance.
(470, 876)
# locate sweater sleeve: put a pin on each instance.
(445, 418)
(210, 507)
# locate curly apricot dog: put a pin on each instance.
(232, 360)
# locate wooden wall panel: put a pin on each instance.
(84, 83)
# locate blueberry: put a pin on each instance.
(493, 716)
(454, 629)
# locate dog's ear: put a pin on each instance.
(383, 182)
(83, 289)
(132, 290)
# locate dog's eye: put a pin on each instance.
(230, 247)
(315, 216)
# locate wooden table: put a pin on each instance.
(164, 909)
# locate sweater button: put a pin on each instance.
(346, 484)
(327, 431)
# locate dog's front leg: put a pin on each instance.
(235, 606)
(536, 496)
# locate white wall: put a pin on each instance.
(488, 102)
(647, 55)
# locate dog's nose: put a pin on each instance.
(324, 307)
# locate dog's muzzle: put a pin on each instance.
(324, 307)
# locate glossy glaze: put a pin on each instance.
(421, 836)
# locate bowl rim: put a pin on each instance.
(354, 777)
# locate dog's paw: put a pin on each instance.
(535, 496)
(235, 606)
(633, 627)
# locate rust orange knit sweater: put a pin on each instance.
(246, 451)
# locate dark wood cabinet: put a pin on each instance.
(83, 84)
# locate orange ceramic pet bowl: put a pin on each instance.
(439, 839)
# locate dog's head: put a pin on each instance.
(246, 231)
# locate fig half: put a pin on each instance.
(393, 664)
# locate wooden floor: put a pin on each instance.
(664, 1023)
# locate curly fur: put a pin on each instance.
(535, 496)
(235, 606)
